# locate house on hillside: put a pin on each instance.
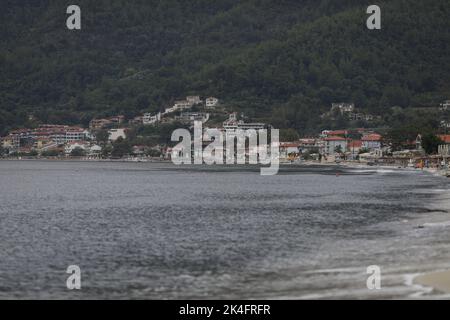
(193, 116)
(148, 118)
(182, 105)
(192, 100)
(343, 107)
(232, 124)
(115, 134)
(97, 124)
(444, 106)
(211, 102)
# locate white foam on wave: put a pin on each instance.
(364, 171)
(437, 224)
(432, 191)
(423, 292)
(337, 270)
(383, 171)
(419, 289)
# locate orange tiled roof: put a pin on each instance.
(334, 138)
(445, 137)
(355, 144)
(338, 132)
(289, 144)
(372, 137)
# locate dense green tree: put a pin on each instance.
(288, 135)
(399, 137)
(51, 153)
(102, 136)
(106, 151)
(120, 148)
(153, 153)
(282, 60)
(430, 143)
(33, 153)
(78, 152)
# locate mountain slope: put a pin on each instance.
(281, 60)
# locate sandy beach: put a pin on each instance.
(439, 281)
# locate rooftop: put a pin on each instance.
(445, 137)
(335, 138)
(372, 137)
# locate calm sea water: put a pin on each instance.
(156, 231)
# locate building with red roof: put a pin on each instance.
(371, 141)
(333, 143)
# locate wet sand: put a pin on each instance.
(439, 281)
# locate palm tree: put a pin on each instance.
(338, 150)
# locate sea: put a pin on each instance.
(160, 231)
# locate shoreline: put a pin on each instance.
(344, 165)
(437, 280)
(84, 160)
(303, 163)
(434, 279)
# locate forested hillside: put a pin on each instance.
(284, 60)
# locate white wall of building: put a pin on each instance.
(115, 134)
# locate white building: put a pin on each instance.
(371, 142)
(71, 146)
(170, 110)
(211, 102)
(75, 135)
(251, 125)
(115, 134)
(193, 116)
(333, 143)
(445, 105)
(233, 124)
(445, 124)
(182, 105)
(94, 150)
(60, 137)
(148, 118)
(179, 106)
(193, 100)
(343, 107)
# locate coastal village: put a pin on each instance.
(105, 137)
